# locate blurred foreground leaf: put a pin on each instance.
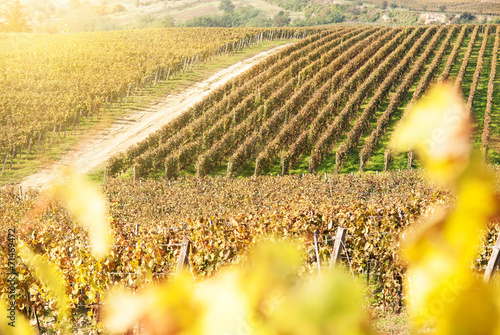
(440, 282)
(439, 128)
(265, 296)
(50, 276)
(21, 325)
(88, 204)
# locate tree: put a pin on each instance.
(442, 8)
(16, 20)
(281, 19)
(384, 4)
(466, 17)
(226, 6)
(336, 17)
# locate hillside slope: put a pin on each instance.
(329, 104)
(135, 127)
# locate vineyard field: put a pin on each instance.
(54, 84)
(223, 217)
(328, 103)
(342, 172)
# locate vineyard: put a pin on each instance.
(328, 103)
(54, 84)
(223, 218)
(314, 113)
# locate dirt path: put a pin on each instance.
(94, 151)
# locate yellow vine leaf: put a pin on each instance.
(331, 304)
(226, 308)
(475, 311)
(19, 324)
(442, 287)
(264, 296)
(439, 128)
(88, 204)
(50, 276)
(162, 309)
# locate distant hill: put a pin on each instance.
(74, 15)
(97, 15)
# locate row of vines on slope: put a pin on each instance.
(383, 121)
(334, 130)
(453, 55)
(219, 100)
(465, 61)
(364, 120)
(485, 137)
(477, 72)
(322, 96)
(310, 75)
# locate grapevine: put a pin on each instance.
(485, 137)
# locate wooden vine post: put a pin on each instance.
(336, 163)
(337, 246)
(12, 157)
(493, 263)
(88, 115)
(74, 121)
(5, 162)
(53, 132)
(79, 118)
(44, 138)
(316, 249)
(183, 256)
(37, 145)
